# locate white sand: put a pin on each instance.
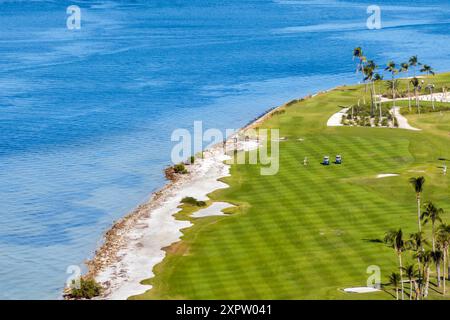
(385, 175)
(336, 119)
(144, 242)
(361, 290)
(437, 97)
(402, 121)
(213, 210)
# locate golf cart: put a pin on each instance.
(326, 161)
(338, 159)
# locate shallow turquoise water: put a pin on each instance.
(86, 115)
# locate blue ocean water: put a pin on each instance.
(86, 115)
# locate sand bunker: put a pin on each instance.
(361, 290)
(385, 175)
(336, 119)
(213, 210)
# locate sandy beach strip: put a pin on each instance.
(141, 243)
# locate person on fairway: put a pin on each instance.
(305, 161)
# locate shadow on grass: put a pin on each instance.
(373, 240)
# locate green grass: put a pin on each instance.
(305, 233)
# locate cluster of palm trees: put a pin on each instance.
(371, 76)
(418, 274)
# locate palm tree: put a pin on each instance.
(425, 259)
(369, 73)
(415, 243)
(428, 70)
(378, 78)
(394, 279)
(416, 84)
(391, 67)
(431, 87)
(394, 239)
(444, 241)
(414, 62)
(411, 273)
(437, 259)
(358, 54)
(405, 68)
(433, 214)
(418, 183)
(393, 86)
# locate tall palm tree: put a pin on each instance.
(430, 87)
(394, 239)
(405, 69)
(415, 243)
(369, 73)
(428, 70)
(418, 183)
(391, 67)
(425, 259)
(378, 78)
(444, 240)
(433, 214)
(416, 84)
(358, 54)
(411, 274)
(437, 259)
(394, 279)
(414, 62)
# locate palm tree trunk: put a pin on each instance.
(419, 280)
(448, 267)
(427, 284)
(374, 95)
(433, 236)
(372, 106)
(445, 261)
(409, 98)
(410, 289)
(396, 292)
(393, 93)
(401, 274)
(438, 271)
(432, 100)
(417, 100)
(418, 212)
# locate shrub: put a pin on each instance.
(180, 168)
(87, 289)
(193, 201)
(292, 102)
(192, 159)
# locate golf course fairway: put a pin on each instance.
(310, 231)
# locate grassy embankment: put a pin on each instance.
(306, 232)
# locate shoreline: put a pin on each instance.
(136, 243)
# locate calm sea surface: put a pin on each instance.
(86, 115)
